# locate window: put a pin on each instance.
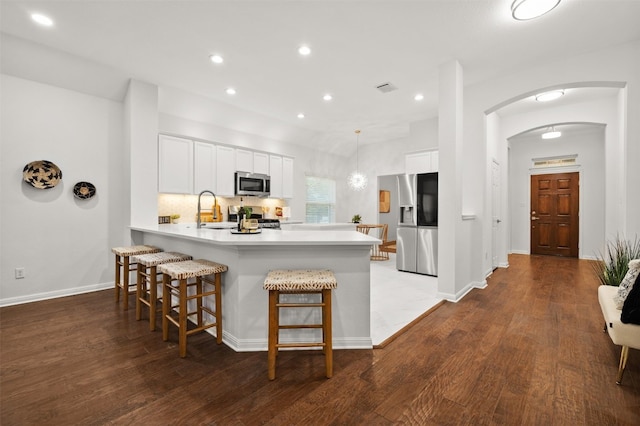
(321, 200)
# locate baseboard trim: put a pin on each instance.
(462, 293)
(261, 345)
(54, 294)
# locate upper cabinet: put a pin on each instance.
(190, 167)
(204, 167)
(421, 162)
(244, 160)
(175, 165)
(225, 170)
(275, 167)
(261, 163)
(287, 177)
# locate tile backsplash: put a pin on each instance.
(187, 205)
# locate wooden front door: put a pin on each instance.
(554, 214)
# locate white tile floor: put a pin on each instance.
(397, 298)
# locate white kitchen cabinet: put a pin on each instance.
(244, 160)
(225, 169)
(204, 167)
(175, 165)
(275, 169)
(421, 162)
(434, 161)
(261, 163)
(287, 177)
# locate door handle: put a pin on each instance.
(498, 221)
(535, 218)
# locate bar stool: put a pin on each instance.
(181, 272)
(147, 288)
(122, 260)
(303, 281)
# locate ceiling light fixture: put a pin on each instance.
(327, 97)
(216, 59)
(42, 19)
(552, 134)
(304, 50)
(231, 91)
(357, 181)
(549, 96)
(419, 97)
(523, 10)
(300, 115)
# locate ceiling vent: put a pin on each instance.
(386, 87)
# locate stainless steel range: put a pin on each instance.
(256, 213)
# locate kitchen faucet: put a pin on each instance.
(215, 207)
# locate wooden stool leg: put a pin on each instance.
(125, 283)
(141, 289)
(182, 318)
(199, 301)
(166, 306)
(117, 282)
(327, 331)
(273, 332)
(218, 295)
(153, 296)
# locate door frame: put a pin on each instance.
(551, 171)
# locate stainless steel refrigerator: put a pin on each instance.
(417, 233)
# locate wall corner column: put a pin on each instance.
(451, 257)
(141, 138)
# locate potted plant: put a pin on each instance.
(356, 218)
(174, 218)
(614, 264)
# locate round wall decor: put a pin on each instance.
(42, 174)
(84, 190)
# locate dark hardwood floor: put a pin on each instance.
(527, 350)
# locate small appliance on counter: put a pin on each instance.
(256, 214)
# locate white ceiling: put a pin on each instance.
(356, 45)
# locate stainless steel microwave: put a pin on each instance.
(252, 184)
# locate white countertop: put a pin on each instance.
(266, 238)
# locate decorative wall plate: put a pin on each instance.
(42, 174)
(84, 190)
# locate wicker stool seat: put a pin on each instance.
(300, 281)
(147, 282)
(123, 255)
(181, 272)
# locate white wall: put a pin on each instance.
(589, 146)
(62, 242)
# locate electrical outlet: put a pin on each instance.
(19, 273)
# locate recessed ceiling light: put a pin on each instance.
(552, 134)
(216, 59)
(419, 97)
(523, 10)
(300, 115)
(304, 50)
(230, 91)
(42, 19)
(327, 97)
(549, 96)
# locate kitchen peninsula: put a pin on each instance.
(250, 257)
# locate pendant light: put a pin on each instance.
(523, 10)
(357, 181)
